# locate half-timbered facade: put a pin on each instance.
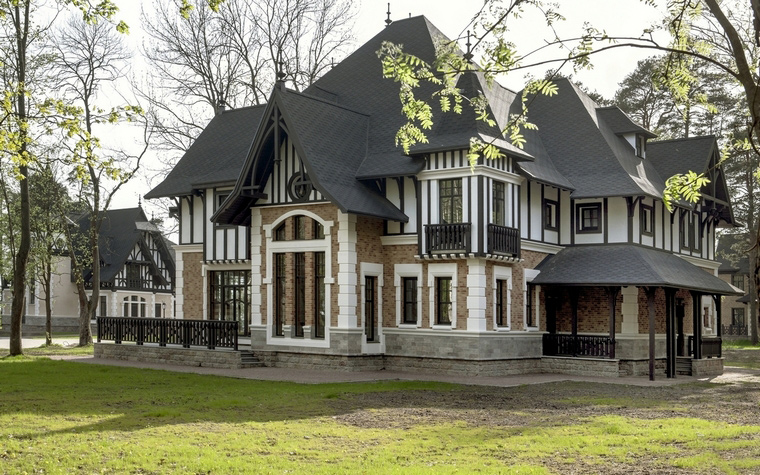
(358, 255)
(136, 275)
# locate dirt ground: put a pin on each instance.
(731, 398)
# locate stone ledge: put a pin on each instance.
(169, 355)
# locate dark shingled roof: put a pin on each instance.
(620, 123)
(216, 156)
(120, 231)
(671, 157)
(623, 264)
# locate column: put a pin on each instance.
(476, 295)
(630, 310)
(347, 270)
(255, 231)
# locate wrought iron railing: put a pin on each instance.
(448, 237)
(579, 345)
(734, 330)
(711, 346)
(209, 333)
(503, 240)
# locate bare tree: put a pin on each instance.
(89, 57)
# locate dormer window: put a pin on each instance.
(641, 146)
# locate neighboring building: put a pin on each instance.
(734, 269)
(303, 221)
(136, 280)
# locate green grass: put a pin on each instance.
(740, 345)
(64, 417)
(56, 349)
(743, 364)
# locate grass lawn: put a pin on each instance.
(56, 349)
(739, 345)
(65, 417)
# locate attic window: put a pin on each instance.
(641, 146)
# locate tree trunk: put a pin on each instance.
(47, 287)
(754, 259)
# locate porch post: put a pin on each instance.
(612, 293)
(719, 322)
(574, 309)
(670, 348)
(650, 291)
(696, 303)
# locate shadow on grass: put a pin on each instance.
(130, 399)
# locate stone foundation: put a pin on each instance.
(34, 325)
(707, 367)
(580, 366)
(169, 355)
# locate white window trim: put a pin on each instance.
(308, 245)
(368, 269)
(442, 270)
(528, 276)
(502, 273)
(407, 270)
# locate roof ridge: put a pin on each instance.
(684, 139)
(325, 101)
(236, 109)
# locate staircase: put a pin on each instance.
(683, 365)
(249, 360)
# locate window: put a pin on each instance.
(299, 227)
(588, 217)
(319, 230)
(497, 214)
(647, 220)
(300, 283)
(133, 276)
(502, 319)
(687, 231)
(737, 280)
(279, 294)
(134, 306)
(32, 291)
(409, 309)
(370, 319)
(230, 297)
(641, 146)
(530, 309)
(103, 306)
(450, 200)
(550, 215)
(279, 233)
(157, 311)
(443, 300)
(319, 295)
(220, 198)
(737, 317)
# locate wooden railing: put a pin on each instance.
(735, 330)
(209, 333)
(448, 237)
(711, 346)
(579, 345)
(503, 240)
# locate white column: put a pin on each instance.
(630, 310)
(114, 305)
(346, 270)
(153, 306)
(476, 295)
(255, 231)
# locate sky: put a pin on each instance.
(452, 17)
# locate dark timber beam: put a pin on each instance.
(719, 322)
(670, 333)
(696, 303)
(612, 293)
(650, 291)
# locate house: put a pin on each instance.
(136, 280)
(734, 268)
(302, 220)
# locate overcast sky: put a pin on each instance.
(616, 17)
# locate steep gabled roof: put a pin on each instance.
(586, 150)
(120, 231)
(620, 123)
(216, 155)
(671, 157)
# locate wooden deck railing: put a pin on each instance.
(209, 333)
(711, 346)
(734, 330)
(448, 237)
(503, 240)
(579, 345)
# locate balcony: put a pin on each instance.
(503, 240)
(448, 238)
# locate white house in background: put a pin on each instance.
(137, 276)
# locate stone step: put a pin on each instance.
(683, 366)
(249, 360)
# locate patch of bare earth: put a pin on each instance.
(733, 398)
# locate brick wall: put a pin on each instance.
(192, 293)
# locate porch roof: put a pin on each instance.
(624, 264)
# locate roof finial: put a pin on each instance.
(280, 72)
(388, 20)
(139, 201)
(468, 54)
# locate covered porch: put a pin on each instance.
(631, 303)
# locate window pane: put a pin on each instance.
(450, 200)
(497, 216)
(410, 300)
(443, 288)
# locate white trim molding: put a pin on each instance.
(399, 272)
(367, 269)
(442, 270)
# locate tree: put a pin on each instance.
(89, 57)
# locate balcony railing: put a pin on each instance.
(503, 240)
(735, 330)
(579, 345)
(209, 333)
(448, 237)
(711, 346)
